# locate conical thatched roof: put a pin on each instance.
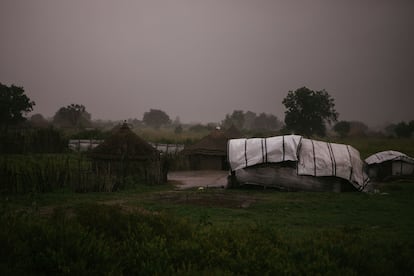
(213, 144)
(124, 144)
(232, 132)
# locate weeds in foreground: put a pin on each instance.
(99, 239)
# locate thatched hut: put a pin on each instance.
(125, 154)
(210, 153)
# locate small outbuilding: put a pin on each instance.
(390, 164)
(210, 153)
(125, 154)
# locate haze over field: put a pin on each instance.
(202, 59)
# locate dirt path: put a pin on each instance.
(194, 179)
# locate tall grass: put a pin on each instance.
(42, 140)
(49, 172)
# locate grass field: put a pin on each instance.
(152, 230)
(158, 230)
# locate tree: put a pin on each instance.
(236, 119)
(156, 118)
(14, 104)
(134, 122)
(358, 129)
(402, 129)
(38, 121)
(249, 120)
(411, 126)
(266, 122)
(308, 111)
(72, 116)
(342, 128)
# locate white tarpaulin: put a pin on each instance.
(314, 158)
(248, 152)
(319, 158)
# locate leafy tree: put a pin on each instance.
(14, 104)
(236, 119)
(134, 122)
(411, 126)
(358, 129)
(402, 129)
(156, 118)
(38, 121)
(390, 130)
(72, 116)
(342, 128)
(266, 122)
(249, 120)
(308, 111)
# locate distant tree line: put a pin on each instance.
(403, 129)
(251, 121)
(72, 116)
(307, 113)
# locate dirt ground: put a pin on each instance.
(213, 198)
(197, 179)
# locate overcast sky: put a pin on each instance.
(201, 59)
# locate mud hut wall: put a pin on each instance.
(155, 172)
(207, 162)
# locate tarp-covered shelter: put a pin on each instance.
(210, 153)
(83, 145)
(125, 154)
(292, 162)
(171, 149)
(390, 164)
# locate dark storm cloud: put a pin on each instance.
(202, 59)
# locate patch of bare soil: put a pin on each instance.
(192, 179)
(122, 203)
(205, 198)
